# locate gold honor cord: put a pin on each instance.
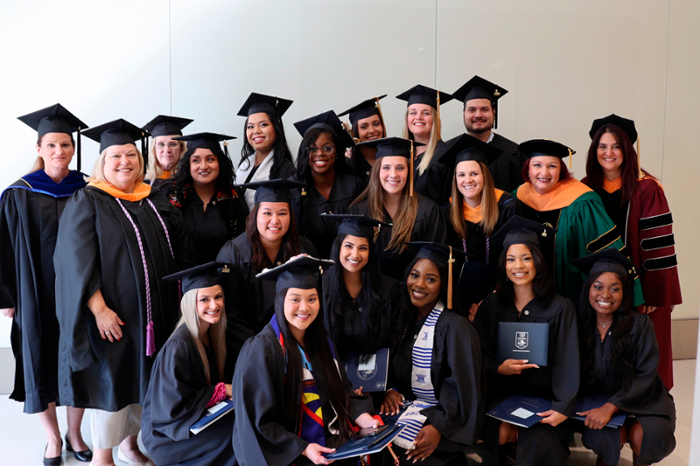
(449, 280)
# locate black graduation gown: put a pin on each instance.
(97, 248)
(259, 436)
(177, 398)
(476, 239)
(430, 225)
(249, 301)
(359, 166)
(353, 337)
(28, 229)
(558, 381)
(506, 170)
(646, 397)
(436, 181)
(455, 371)
(310, 204)
(209, 230)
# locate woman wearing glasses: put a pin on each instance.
(331, 187)
(164, 152)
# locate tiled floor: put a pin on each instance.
(22, 438)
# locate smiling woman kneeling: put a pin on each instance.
(293, 401)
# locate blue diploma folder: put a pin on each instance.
(587, 403)
(521, 410)
(523, 340)
(366, 445)
(370, 375)
(211, 415)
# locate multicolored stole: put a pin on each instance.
(421, 382)
(311, 426)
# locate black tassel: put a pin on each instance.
(78, 148)
(143, 151)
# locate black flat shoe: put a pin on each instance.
(55, 461)
(85, 456)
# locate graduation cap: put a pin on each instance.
(440, 254)
(425, 95)
(330, 122)
(302, 271)
(115, 133)
(467, 147)
(356, 225)
(261, 103)
(364, 110)
(475, 283)
(479, 88)
(273, 190)
(55, 119)
(607, 260)
(623, 123)
(201, 276)
(164, 125)
(206, 141)
(394, 147)
(519, 230)
(537, 147)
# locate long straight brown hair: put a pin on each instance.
(489, 205)
(408, 209)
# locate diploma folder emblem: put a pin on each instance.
(523, 340)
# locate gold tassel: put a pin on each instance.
(570, 158)
(639, 159)
(381, 116)
(449, 280)
(410, 192)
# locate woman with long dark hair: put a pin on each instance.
(188, 378)
(526, 293)
(389, 198)
(422, 125)
(437, 366)
(636, 202)
(271, 238)
(476, 209)
(619, 360)
(213, 211)
(361, 307)
(265, 154)
(164, 152)
(330, 187)
(29, 213)
(367, 123)
(293, 402)
(553, 198)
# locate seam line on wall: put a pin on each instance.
(668, 48)
(436, 45)
(170, 53)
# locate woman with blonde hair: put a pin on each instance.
(164, 151)
(477, 209)
(389, 198)
(29, 214)
(422, 125)
(188, 377)
(116, 237)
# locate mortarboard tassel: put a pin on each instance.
(381, 116)
(639, 159)
(226, 149)
(144, 153)
(449, 279)
(410, 192)
(78, 149)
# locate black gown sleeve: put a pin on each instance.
(174, 404)
(8, 276)
(259, 436)
(564, 361)
(457, 415)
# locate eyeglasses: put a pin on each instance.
(171, 145)
(328, 149)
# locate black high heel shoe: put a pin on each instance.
(55, 461)
(85, 456)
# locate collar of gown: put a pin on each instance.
(141, 191)
(562, 195)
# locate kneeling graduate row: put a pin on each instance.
(293, 403)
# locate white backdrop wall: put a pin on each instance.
(564, 63)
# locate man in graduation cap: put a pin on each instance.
(480, 99)
(29, 213)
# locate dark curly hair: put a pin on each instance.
(620, 373)
(224, 182)
(303, 169)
